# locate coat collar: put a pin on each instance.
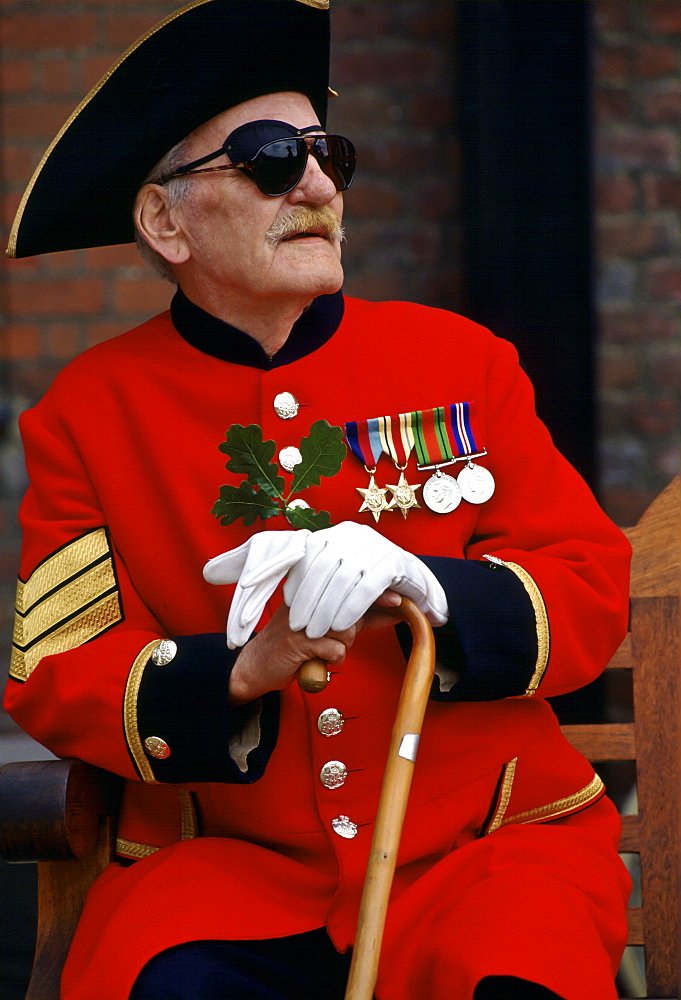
(222, 340)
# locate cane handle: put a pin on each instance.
(313, 675)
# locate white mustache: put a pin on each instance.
(303, 220)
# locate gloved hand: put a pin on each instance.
(343, 571)
(256, 567)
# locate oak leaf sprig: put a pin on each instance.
(262, 493)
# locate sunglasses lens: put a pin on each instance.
(279, 165)
(337, 158)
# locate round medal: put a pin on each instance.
(442, 493)
(476, 483)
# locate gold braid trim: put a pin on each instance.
(561, 807)
(69, 598)
(130, 712)
(86, 626)
(188, 824)
(504, 796)
(188, 829)
(542, 625)
(63, 565)
(130, 849)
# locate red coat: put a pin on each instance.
(124, 468)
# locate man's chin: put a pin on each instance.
(317, 274)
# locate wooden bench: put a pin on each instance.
(62, 813)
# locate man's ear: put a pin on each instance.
(157, 223)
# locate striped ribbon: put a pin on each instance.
(439, 435)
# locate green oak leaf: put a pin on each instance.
(251, 456)
(244, 501)
(306, 517)
(322, 453)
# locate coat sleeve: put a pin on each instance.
(92, 673)
(540, 603)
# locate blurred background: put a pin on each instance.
(518, 162)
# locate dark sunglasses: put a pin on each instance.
(279, 165)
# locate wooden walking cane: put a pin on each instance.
(392, 805)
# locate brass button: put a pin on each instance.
(333, 774)
(164, 653)
(156, 747)
(286, 405)
(344, 827)
(330, 722)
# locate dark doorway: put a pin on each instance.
(523, 99)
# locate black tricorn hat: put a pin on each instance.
(206, 57)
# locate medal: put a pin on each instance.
(443, 436)
(440, 436)
(404, 495)
(374, 497)
(365, 443)
(442, 493)
(476, 483)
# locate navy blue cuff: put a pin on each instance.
(490, 639)
(184, 703)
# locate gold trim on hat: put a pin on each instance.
(12, 244)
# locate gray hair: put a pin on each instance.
(177, 189)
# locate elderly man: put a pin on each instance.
(249, 804)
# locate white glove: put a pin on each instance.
(256, 567)
(344, 570)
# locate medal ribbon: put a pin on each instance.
(365, 440)
(391, 436)
(445, 433)
(439, 435)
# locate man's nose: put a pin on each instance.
(314, 186)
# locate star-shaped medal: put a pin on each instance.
(404, 495)
(374, 499)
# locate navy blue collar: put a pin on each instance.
(221, 340)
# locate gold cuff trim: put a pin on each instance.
(83, 628)
(508, 775)
(319, 4)
(130, 712)
(561, 807)
(542, 625)
(130, 849)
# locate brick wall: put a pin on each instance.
(637, 108)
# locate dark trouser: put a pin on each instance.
(302, 967)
